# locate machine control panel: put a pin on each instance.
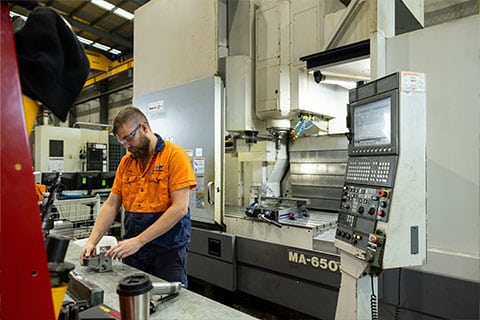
(365, 201)
(361, 207)
(383, 207)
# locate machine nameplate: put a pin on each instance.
(313, 261)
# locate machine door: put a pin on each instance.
(190, 115)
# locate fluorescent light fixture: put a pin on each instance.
(14, 14)
(123, 13)
(101, 46)
(109, 7)
(115, 51)
(83, 40)
(103, 4)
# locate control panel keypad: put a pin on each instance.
(373, 171)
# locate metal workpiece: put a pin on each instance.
(273, 210)
(100, 263)
(183, 305)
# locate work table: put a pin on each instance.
(187, 305)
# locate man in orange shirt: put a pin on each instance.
(152, 182)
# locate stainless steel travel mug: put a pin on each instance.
(134, 296)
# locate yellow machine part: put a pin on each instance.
(30, 110)
(58, 294)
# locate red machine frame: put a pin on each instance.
(25, 291)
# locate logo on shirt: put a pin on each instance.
(158, 168)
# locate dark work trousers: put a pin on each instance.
(170, 266)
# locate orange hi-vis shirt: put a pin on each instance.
(148, 191)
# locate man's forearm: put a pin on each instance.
(105, 218)
(102, 224)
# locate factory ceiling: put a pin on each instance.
(105, 27)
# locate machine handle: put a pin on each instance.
(265, 219)
(209, 198)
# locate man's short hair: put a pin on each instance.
(128, 115)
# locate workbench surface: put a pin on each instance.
(187, 305)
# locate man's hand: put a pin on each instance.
(88, 250)
(124, 248)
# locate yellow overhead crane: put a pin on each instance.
(106, 67)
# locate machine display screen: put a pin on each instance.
(372, 123)
(55, 148)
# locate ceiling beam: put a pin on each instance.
(100, 33)
(98, 61)
(115, 69)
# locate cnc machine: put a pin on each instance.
(244, 92)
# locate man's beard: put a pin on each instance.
(142, 151)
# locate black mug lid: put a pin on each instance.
(134, 284)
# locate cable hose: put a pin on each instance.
(373, 306)
(309, 127)
(373, 302)
(397, 312)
